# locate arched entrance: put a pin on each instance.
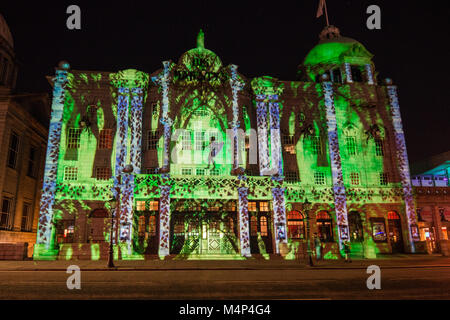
(395, 232)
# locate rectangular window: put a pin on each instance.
(336, 75)
(378, 230)
(186, 143)
(26, 218)
(103, 173)
(105, 139)
(186, 171)
(140, 205)
(384, 179)
(32, 161)
(6, 214)
(292, 177)
(354, 178)
(351, 146)
(379, 147)
(319, 178)
(13, 151)
(264, 206)
(252, 206)
(73, 138)
(70, 173)
(200, 140)
(214, 172)
(200, 172)
(153, 205)
(356, 74)
(152, 140)
(316, 145)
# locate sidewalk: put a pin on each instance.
(391, 261)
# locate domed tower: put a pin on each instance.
(8, 65)
(345, 60)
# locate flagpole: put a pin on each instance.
(326, 12)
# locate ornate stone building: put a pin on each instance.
(432, 192)
(23, 137)
(207, 163)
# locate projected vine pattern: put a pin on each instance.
(163, 81)
(402, 161)
(340, 201)
(236, 86)
(164, 221)
(243, 221)
(275, 136)
(261, 119)
(279, 211)
(51, 162)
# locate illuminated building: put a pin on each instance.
(432, 192)
(334, 137)
(23, 137)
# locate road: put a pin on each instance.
(306, 283)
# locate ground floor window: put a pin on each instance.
(296, 227)
(356, 227)
(324, 226)
(65, 230)
(378, 229)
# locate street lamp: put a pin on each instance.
(112, 205)
(306, 207)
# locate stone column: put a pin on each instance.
(261, 120)
(279, 218)
(164, 221)
(340, 201)
(369, 72)
(236, 86)
(275, 136)
(44, 248)
(348, 73)
(402, 163)
(244, 234)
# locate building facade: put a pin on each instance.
(23, 139)
(204, 162)
(432, 192)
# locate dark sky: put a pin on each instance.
(262, 38)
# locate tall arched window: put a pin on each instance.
(253, 226)
(296, 227)
(324, 226)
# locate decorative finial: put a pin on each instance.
(201, 39)
(330, 32)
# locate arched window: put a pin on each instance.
(392, 215)
(324, 226)
(356, 227)
(296, 227)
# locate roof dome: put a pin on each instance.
(200, 59)
(332, 47)
(4, 31)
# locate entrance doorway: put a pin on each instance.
(395, 232)
(260, 227)
(208, 236)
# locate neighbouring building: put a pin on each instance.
(207, 163)
(432, 192)
(23, 140)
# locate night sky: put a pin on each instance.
(262, 38)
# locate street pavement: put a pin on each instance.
(402, 277)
